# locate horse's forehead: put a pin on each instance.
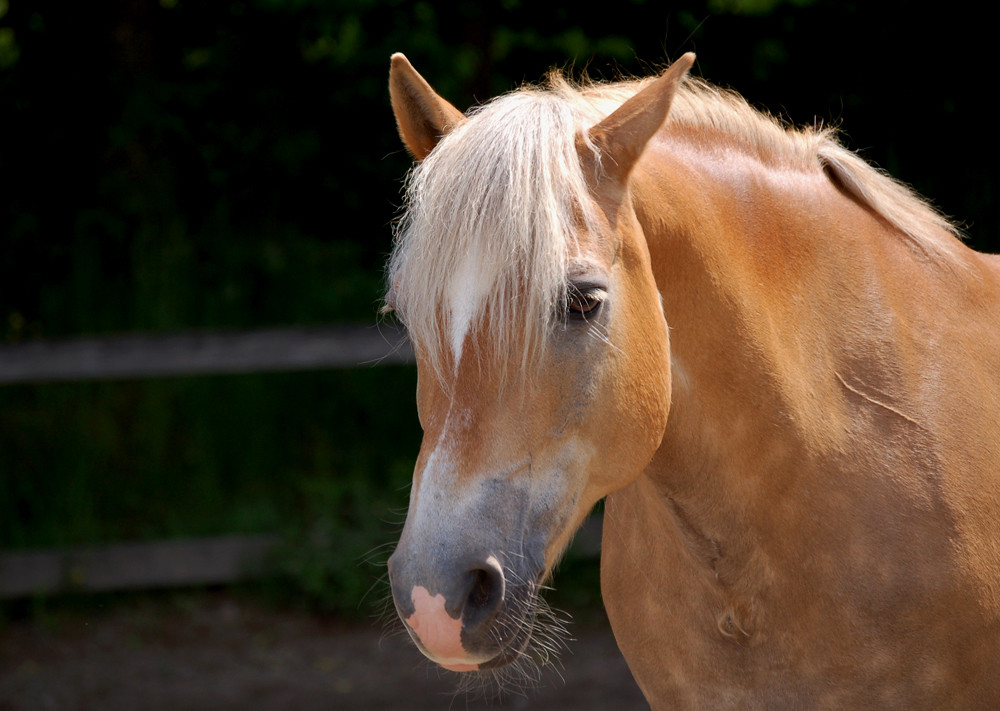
(592, 248)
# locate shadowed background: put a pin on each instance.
(174, 165)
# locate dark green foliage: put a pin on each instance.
(324, 459)
(99, 462)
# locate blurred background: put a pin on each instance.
(224, 167)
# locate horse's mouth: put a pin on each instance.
(513, 650)
(513, 628)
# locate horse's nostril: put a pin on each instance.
(486, 589)
(482, 587)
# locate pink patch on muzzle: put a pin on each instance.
(439, 634)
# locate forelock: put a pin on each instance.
(489, 225)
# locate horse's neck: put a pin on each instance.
(760, 331)
(756, 266)
(816, 478)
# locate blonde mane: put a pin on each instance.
(490, 215)
(488, 229)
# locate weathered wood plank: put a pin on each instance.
(138, 356)
(131, 566)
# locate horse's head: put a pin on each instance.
(523, 276)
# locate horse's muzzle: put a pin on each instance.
(465, 620)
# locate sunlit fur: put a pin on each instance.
(490, 215)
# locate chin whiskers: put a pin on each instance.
(545, 632)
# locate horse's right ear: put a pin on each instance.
(422, 116)
(622, 136)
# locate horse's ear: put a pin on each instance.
(422, 116)
(622, 136)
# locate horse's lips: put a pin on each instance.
(506, 656)
(512, 650)
(461, 667)
(438, 635)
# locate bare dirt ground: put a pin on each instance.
(220, 652)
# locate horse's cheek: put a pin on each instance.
(644, 389)
(628, 427)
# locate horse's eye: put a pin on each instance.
(584, 303)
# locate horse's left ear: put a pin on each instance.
(623, 135)
(422, 116)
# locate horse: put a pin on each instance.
(778, 366)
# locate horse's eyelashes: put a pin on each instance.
(584, 302)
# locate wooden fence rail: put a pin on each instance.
(197, 353)
(134, 566)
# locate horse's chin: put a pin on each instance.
(514, 651)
